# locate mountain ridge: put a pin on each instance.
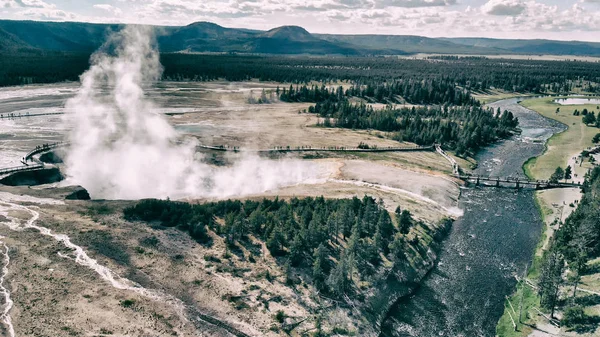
(206, 36)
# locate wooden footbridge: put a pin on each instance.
(41, 149)
(15, 169)
(30, 163)
(517, 183)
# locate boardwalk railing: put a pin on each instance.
(22, 115)
(20, 169)
(36, 165)
(41, 149)
(518, 182)
(455, 167)
(321, 149)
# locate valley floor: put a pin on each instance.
(78, 268)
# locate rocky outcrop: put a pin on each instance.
(79, 193)
(51, 158)
(403, 281)
(32, 178)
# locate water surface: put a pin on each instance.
(486, 248)
(577, 101)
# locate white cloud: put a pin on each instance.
(504, 7)
(109, 8)
(44, 14)
(415, 3)
(579, 19)
(34, 4)
(8, 4)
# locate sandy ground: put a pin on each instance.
(55, 295)
(430, 197)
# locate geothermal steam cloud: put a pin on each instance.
(122, 149)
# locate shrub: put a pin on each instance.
(573, 316)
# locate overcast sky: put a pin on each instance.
(554, 19)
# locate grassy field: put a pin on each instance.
(494, 95)
(561, 147)
(505, 326)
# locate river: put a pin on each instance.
(494, 241)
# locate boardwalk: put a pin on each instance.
(41, 149)
(286, 149)
(515, 182)
(455, 167)
(503, 182)
(15, 169)
(19, 115)
(30, 163)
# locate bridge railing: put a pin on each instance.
(41, 149)
(9, 170)
(326, 149)
(518, 181)
(455, 167)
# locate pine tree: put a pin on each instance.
(558, 175)
(320, 267)
(296, 251)
(405, 222)
(550, 279)
(386, 229)
(568, 172)
(339, 279)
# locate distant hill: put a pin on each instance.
(536, 47)
(20, 36)
(409, 44)
(59, 36)
(10, 43)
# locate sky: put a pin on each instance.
(522, 19)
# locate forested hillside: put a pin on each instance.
(349, 249)
(291, 40)
(575, 245)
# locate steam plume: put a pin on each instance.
(122, 149)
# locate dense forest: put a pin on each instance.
(574, 244)
(389, 74)
(338, 242)
(464, 129)
(429, 91)
(41, 67)
(468, 73)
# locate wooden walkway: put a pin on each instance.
(13, 116)
(15, 169)
(29, 162)
(516, 183)
(41, 149)
(285, 149)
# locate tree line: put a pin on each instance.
(464, 129)
(337, 242)
(574, 244)
(383, 74)
(430, 91)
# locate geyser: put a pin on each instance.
(121, 148)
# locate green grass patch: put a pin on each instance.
(561, 146)
(530, 300)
